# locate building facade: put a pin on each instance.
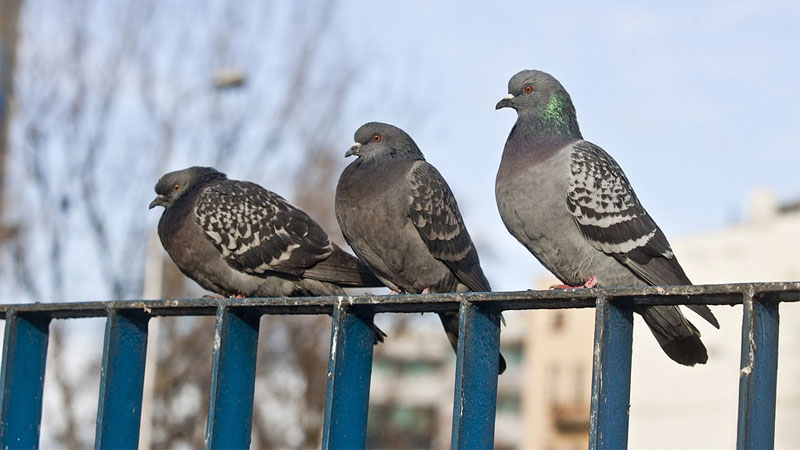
(543, 398)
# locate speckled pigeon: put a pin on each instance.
(236, 238)
(570, 204)
(400, 217)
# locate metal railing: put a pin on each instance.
(350, 363)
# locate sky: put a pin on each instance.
(699, 102)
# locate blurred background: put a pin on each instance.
(699, 102)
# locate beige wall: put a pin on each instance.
(558, 372)
(697, 407)
(673, 406)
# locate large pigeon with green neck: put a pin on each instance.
(400, 217)
(569, 203)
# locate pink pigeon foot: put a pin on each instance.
(590, 283)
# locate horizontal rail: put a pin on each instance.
(713, 294)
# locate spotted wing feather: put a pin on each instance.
(607, 210)
(611, 218)
(434, 212)
(257, 231)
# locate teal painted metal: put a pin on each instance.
(233, 371)
(758, 373)
(349, 370)
(611, 374)
(120, 406)
(477, 361)
(231, 396)
(22, 379)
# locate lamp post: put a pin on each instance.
(222, 80)
(9, 17)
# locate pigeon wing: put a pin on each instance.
(434, 212)
(611, 218)
(257, 231)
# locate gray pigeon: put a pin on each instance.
(236, 238)
(400, 217)
(570, 204)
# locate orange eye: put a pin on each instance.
(376, 137)
(527, 89)
(176, 187)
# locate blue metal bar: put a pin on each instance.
(477, 362)
(22, 379)
(233, 371)
(611, 374)
(349, 370)
(758, 374)
(120, 406)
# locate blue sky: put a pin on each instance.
(698, 101)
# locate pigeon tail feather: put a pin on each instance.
(450, 323)
(705, 312)
(379, 334)
(344, 270)
(679, 339)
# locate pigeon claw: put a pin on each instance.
(590, 283)
(427, 290)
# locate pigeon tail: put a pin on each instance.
(379, 334)
(705, 312)
(343, 269)
(450, 323)
(679, 339)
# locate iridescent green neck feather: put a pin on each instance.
(557, 118)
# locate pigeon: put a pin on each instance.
(399, 216)
(236, 238)
(570, 204)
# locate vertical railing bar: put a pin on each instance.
(758, 372)
(22, 379)
(477, 362)
(349, 372)
(611, 374)
(122, 376)
(233, 370)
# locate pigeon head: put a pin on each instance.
(539, 95)
(381, 139)
(175, 184)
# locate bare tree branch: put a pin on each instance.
(122, 96)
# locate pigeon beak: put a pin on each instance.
(506, 102)
(354, 150)
(160, 200)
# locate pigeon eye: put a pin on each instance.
(376, 137)
(527, 89)
(176, 187)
